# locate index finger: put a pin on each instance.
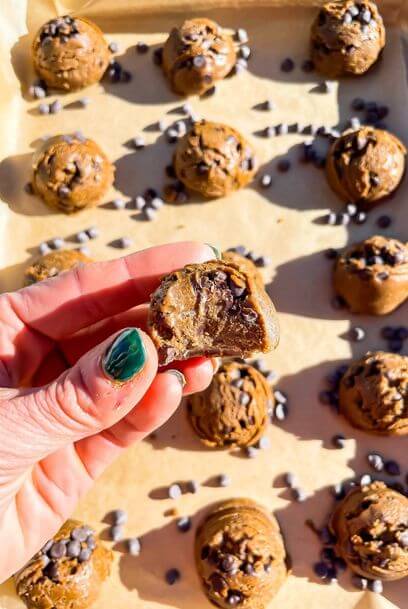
(74, 300)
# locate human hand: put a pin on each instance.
(63, 419)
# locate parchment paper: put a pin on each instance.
(281, 222)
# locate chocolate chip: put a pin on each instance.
(282, 129)
(299, 494)
(245, 52)
(193, 486)
(63, 191)
(184, 524)
(158, 56)
(269, 132)
(241, 35)
(142, 48)
(51, 571)
(365, 480)
(55, 107)
(281, 412)
(91, 542)
(264, 443)
(291, 480)
(119, 517)
(82, 237)
(392, 468)
(73, 549)
(284, 165)
(116, 532)
(357, 334)
(321, 569)
(266, 180)
(172, 576)
(234, 598)
(118, 203)
(376, 586)
(308, 66)
(339, 441)
(79, 534)
(287, 65)
(92, 232)
(358, 104)
(351, 209)
(224, 480)
(58, 549)
(175, 491)
(84, 555)
(384, 221)
(376, 461)
(360, 217)
(57, 243)
(134, 546)
(251, 452)
(403, 539)
(113, 47)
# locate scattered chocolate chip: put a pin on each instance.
(266, 180)
(287, 65)
(299, 494)
(116, 532)
(82, 237)
(175, 491)
(291, 480)
(384, 221)
(321, 569)
(119, 517)
(360, 217)
(376, 586)
(365, 480)
(118, 203)
(392, 468)
(43, 109)
(251, 452)
(224, 480)
(308, 66)
(338, 441)
(57, 243)
(142, 48)
(44, 248)
(193, 486)
(245, 52)
(281, 412)
(184, 524)
(357, 334)
(284, 165)
(55, 107)
(264, 443)
(124, 242)
(172, 576)
(134, 546)
(376, 461)
(149, 213)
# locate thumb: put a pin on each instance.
(99, 390)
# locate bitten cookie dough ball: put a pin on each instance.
(347, 37)
(70, 53)
(243, 263)
(371, 528)
(372, 276)
(71, 173)
(196, 55)
(68, 572)
(235, 408)
(374, 393)
(240, 555)
(365, 166)
(211, 309)
(52, 264)
(214, 159)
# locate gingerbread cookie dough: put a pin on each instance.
(240, 555)
(52, 264)
(211, 309)
(234, 410)
(347, 37)
(196, 55)
(243, 263)
(371, 528)
(373, 393)
(71, 173)
(214, 159)
(70, 53)
(365, 166)
(372, 276)
(68, 572)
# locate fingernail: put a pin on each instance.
(216, 363)
(125, 357)
(216, 251)
(179, 375)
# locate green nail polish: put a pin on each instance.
(126, 356)
(216, 251)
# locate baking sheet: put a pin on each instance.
(281, 222)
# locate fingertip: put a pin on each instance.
(198, 373)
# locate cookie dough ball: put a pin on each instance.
(235, 408)
(372, 276)
(70, 53)
(243, 263)
(240, 555)
(211, 309)
(374, 393)
(71, 173)
(365, 166)
(68, 572)
(196, 55)
(52, 264)
(347, 37)
(214, 159)
(371, 528)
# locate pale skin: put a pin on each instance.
(62, 421)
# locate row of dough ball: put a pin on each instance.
(213, 159)
(240, 553)
(70, 53)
